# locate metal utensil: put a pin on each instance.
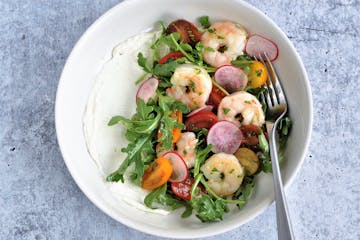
(276, 104)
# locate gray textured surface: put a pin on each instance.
(39, 199)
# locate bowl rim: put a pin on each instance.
(163, 232)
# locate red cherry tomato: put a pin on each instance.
(183, 189)
(215, 97)
(251, 133)
(203, 119)
(188, 31)
(172, 55)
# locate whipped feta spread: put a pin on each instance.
(116, 79)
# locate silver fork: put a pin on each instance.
(276, 109)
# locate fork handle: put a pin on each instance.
(284, 227)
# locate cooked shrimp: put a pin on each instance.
(186, 147)
(227, 39)
(191, 85)
(241, 108)
(224, 173)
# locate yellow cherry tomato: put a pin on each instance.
(157, 174)
(257, 75)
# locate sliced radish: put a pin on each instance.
(147, 89)
(225, 137)
(256, 45)
(231, 78)
(208, 108)
(180, 169)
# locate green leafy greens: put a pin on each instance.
(160, 196)
(141, 130)
(205, 22)
(264, 156)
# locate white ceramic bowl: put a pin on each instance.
(94, 48)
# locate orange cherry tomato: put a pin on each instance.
(157, 174)
(257, 75)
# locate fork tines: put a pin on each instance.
(273, 86)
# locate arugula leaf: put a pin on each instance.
(163, 85)
(142, 160)
(143, 62)
(242, 61)
(160, 196)
(186, 47)
(256, 91)
(264, 156)
(141, 130)
(163, 27)
(284, 126)
(144, 121)
(167, 125)
(167, 69)
(204, 21)
(244, 192)
(201, 156)
(141, 126)
(188, 210)
(133, 149)
(208, 210)
(143, 110)
(168, 105)
(197, 54)
(283, 130)
(172, 41)
(263, 143)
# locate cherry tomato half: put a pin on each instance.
(183, 189)
(172, 55)
(188, 31)
(251, 133)
(203, 119)
(215, 97)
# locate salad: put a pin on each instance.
(198, 139)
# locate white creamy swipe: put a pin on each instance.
(117, 76)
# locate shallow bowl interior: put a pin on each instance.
(93, 50)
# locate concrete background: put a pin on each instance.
(39, 199)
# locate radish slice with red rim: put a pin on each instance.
(225, 137)
(208, 108)
(180, 169)
(256, 45)
(231, 78)
(147, 89)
